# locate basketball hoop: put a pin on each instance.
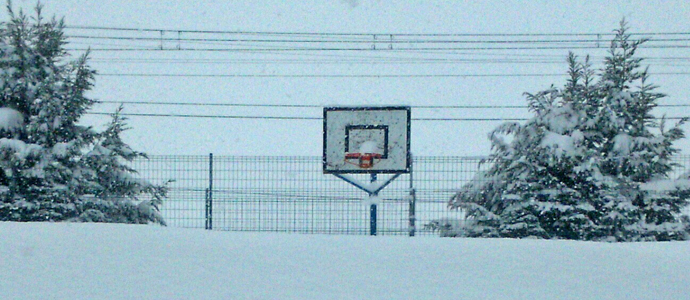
(364, 160)
(366, 140)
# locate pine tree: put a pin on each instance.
(576, 169)
(54, 169)
(636, 149)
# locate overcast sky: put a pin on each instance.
(417, 53)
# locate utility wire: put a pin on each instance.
(288, 118)
(331, 75)
(206, 116)
(357, 41)
(359, 49)
(385, 41)
(352, 75)
(169, 30)
(321, 106)
(364, 60)
(309, 118)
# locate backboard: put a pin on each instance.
(366, 139)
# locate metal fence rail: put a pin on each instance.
(291, 194)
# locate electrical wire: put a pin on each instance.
(321, 106)
(357, 49)
(309, 118)
(318, 48)
(352, 75)
(352, 41)
(106, 28)
(364, 60)
(333, 75)
(340, 48)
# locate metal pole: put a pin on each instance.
(413, 201)
(161, 39)
(373, 210)
(210, 191)
(206, 210)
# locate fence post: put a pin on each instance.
(209, 194)
(373, 214)
(207, 208)
(413, 200)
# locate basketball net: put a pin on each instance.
(363, 160)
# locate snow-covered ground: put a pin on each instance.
(107, 261)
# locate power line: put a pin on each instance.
(288, 42)
(353, 75)
(372, 60)
(353, 41)
(375, 42)
(412, 61)
(206, 116)
(358, 49)
(381, 57)
(214, 104)
(321, 106)
(309, 118)
(361, 60)
(278, 33)
(330, 75)
(287, 118)
(302, 105)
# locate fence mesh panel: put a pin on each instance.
(291, 194)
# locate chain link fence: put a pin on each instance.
(291, 194)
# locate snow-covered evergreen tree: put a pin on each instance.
(52, 168)
(582, 166)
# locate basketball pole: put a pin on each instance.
(373, 209)
(373, 191)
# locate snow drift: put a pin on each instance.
(116, 261)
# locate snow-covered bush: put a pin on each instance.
(584, 166)
(447, 227)
(52, 168)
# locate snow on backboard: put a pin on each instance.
(378, 133)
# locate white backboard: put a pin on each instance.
(381, 133)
